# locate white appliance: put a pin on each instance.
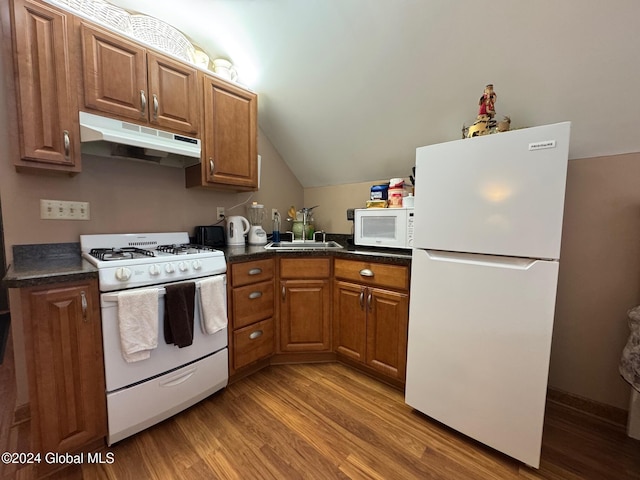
(488, 224)
(383, 227)
(237, 227)
(257, 235)
(143, 393)
(110, 138)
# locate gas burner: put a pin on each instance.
(111, 254)
(183, 249)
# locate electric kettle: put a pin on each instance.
(237, 228)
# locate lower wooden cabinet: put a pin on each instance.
(63, 344)
(251, 310)
(370, 321)
(305, 305)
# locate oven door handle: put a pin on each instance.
(113, 297)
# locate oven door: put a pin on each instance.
(164, 358)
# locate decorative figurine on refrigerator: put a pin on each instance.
(485, 122)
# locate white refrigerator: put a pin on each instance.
(487, 230)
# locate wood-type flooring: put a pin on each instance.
(328, 421)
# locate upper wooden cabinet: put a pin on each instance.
(49, 134)
(123, 78)
(230, 153)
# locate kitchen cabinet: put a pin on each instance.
(230, 136)
(251, 310)
(305, 304)
(46, 97)
(63, 345)
(370, 315)
(125, 79)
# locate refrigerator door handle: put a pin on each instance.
(497, 261)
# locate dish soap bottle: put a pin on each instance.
(275, 237)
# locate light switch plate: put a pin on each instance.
(64, 210)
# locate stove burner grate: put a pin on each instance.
(124, 253)
(184, 248)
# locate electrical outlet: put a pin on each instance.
(273, 213)
(63, 210)
(219, 213)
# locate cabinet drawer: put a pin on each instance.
(251, 272)
(252, 303)
(305, 267)
(370, 273)
(252, 343)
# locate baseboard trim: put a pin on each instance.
(602, 411)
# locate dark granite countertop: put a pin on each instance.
(41, 264)
(383, 255)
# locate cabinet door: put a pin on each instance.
(115, 74)
(173, 92)
(349, 320)
(47, 106)
(230, 135)
(65, 363)
(305, 316)
(387, 321)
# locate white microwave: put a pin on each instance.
(383, 227)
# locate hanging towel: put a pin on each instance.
(630, 362)
(179, 301)
(138, 323)
(213, 304)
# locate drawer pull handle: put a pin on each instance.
(369, 301)
(362, 299)
(254, 295)
(284, 292)
(83, 301)
(256, 334)
(365, 272)
(67, 144)
(156, 106)
(211, 165)
(143, 103)
(172, 382)
(255, 271)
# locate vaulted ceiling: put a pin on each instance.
(349, 88)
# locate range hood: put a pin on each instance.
(110, 138)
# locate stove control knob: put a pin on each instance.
(169, 268)
(197, 264)
(154, 270)
(123, 274)
(183, 267)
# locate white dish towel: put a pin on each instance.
(213, 303)
(138, 323)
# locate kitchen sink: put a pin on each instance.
(303, 245)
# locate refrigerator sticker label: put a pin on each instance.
(542, 145)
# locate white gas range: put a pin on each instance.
(144, 392)
(137, 259)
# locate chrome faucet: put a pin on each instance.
(305, 217)
(324, 236)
